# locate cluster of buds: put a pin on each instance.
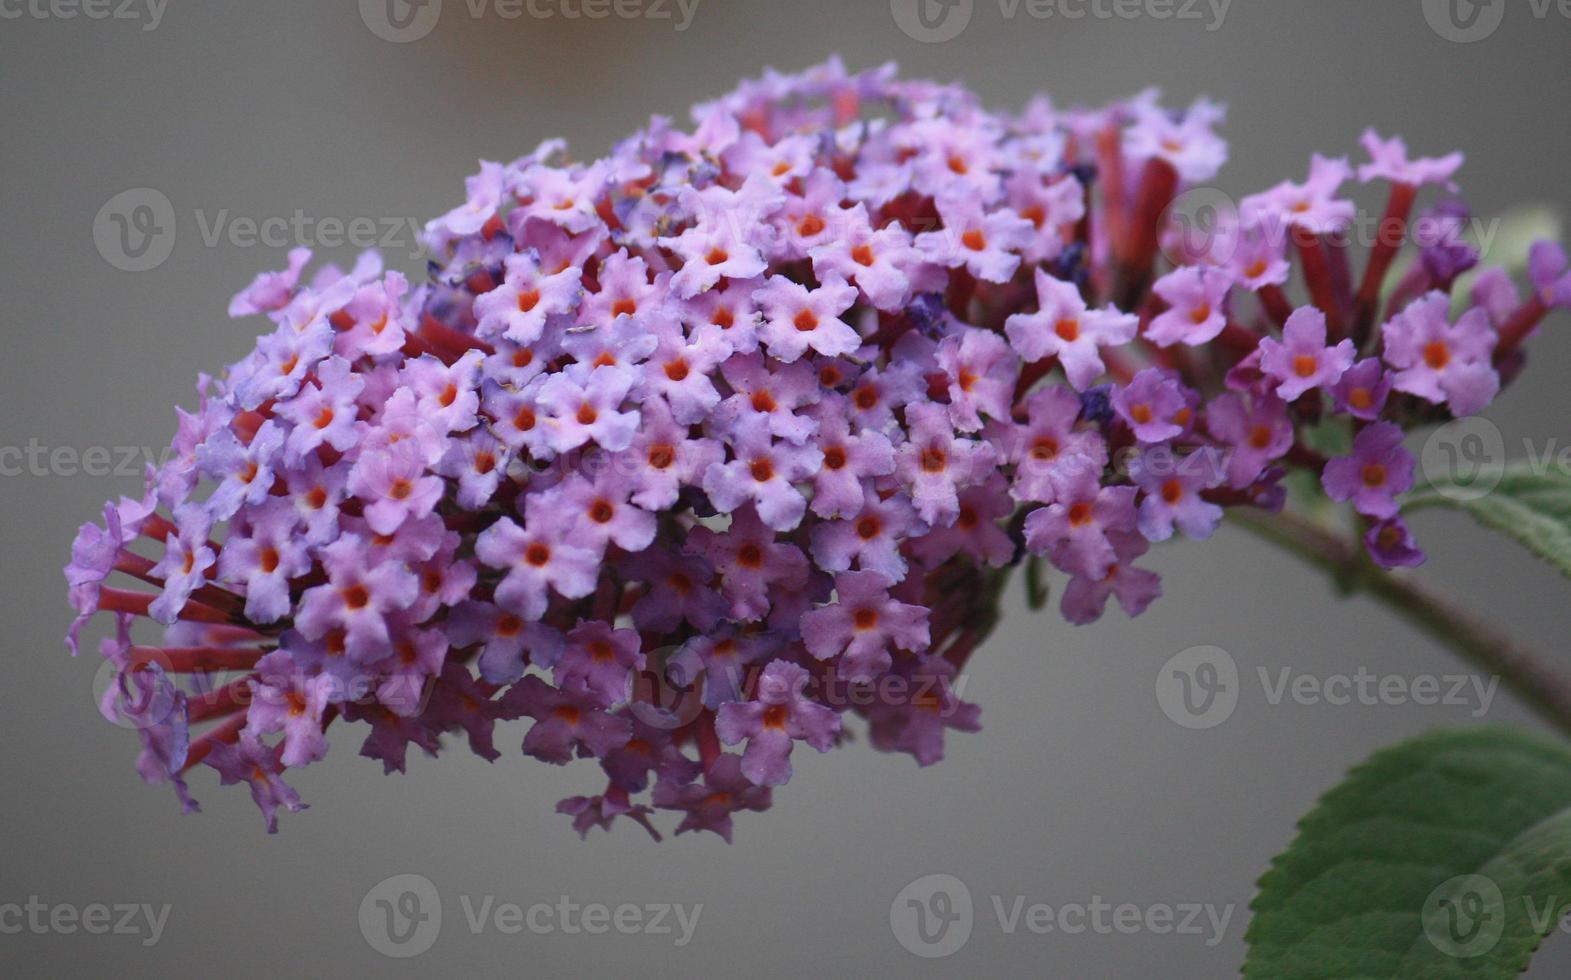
(698, 451)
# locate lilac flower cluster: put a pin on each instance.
(688, 453)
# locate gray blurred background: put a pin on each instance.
(1079, 787)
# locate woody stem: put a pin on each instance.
(1541, 684)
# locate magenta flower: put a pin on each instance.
(1375, 474)
(1256, 432)
(1441, 362)
(796, 319)
(1065, 328)
(1154, 405)
(536, 562)
(1085, 598)
(735, 435)
(1312, 205)
(1388, 161)
(1301, 362)
(984, 243)
(1050, 455)
(1197, 301)
(1172, 488)
(780, 715)
(862, 625)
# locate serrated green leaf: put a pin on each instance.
(1447, 856)
(1531, 504)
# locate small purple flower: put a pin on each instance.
(509, 643)
(357, 599)
(538, 558)
(1388, 161)
(271, 291)
(605, 516)
(1312, 205)
(1085, 599)
(1065, 328)
(282, 700)
(987, 244)
(187, 559)
(263, 557)
(245, 472)
(584, 409)
(599, 661)
(861, 626)
(780, 715)
(1301, 362)
(1048, 454)
(975, 531)
(708, 806)
(877, 261)
(1391, 545)
(797, 319)
(1075, 530)
(1440, 362)
(981, 371)
(1197, 301)
(762, 472)
(324, 413)
(1374, 475)
(565, 722)
(848, 461)
(1155, 406)
(1172, 486)
(257, 765)
(871, 537)
(750, 562)
(1550, 272)
(936, 463)
(1256, 431)
(1363, 390)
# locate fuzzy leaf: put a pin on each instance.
(1446, 856)
(1531, 504)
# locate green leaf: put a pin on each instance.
(1531, 504)
(1445, 856)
